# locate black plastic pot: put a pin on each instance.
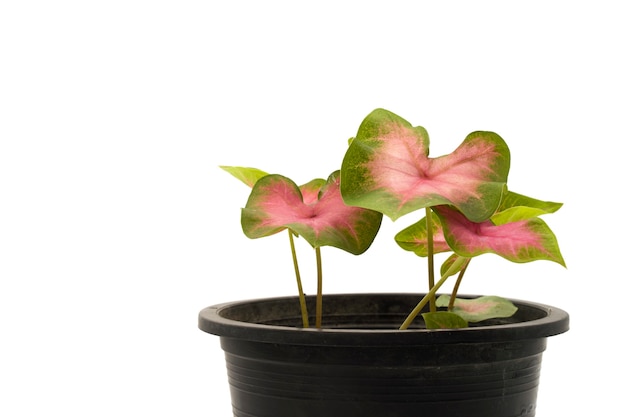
(360, 365)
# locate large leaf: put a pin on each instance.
(277, 203)
(387, 168)
(520, 241)
(248, 176)
(479, 309)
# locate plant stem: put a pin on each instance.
(456, 285)
(430, 296)
(318, 301)
(431, 257)
(303, 310)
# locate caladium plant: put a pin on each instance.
(468, 208)
(315, 211)
(387, 170)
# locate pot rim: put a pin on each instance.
(547, 321)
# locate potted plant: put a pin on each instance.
(408, 354)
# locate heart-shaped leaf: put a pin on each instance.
(479, 309)
(277, 203)
(387, 168)
(520, 241)
(515, 207)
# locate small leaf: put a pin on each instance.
(277, 203)
(515, 207)
(511, 199)
(310, 191)
(415, 238)
(479, 309)
(248, 176)
(448, 263)
(444, 320)
(387, 169)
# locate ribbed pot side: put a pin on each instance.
(358, 364)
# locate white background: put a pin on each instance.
(117, 226)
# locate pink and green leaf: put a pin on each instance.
(311, 190)
(387, 169)
(479, 309)
(515, 207)
(248, 176)
(277, 203)
(519, 241)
